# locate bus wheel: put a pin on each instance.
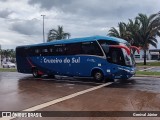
(109, 80)
(98, 76)
(35, 73)
(51, 76)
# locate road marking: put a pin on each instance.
(43, 105)
(147, 69)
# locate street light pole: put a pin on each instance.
(43, 28)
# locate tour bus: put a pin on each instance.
(98, 57)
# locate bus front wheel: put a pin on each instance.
(98, 76)
(35, 73)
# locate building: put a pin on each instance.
(155, 54)
(152, 54)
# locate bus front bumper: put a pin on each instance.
(124, 73)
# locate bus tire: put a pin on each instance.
(109, 80)
(51, 76)
(98, 75)
(35, 73)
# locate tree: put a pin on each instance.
(141, 32)
(121, 32)
(8, 53)
(149, 30)
(57, 34)
(133, 27)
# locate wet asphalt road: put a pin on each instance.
(21, 91)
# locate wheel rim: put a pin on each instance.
(98, 76)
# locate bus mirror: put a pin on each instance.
(137, 49)
(122, 46)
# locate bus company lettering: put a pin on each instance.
(65, 60)
(56, 60)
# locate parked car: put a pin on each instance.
(8, 65)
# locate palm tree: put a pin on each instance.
(149, 29)
(58, 34)
(121, 32)
(8, 53)
(133, 29)
(141, 33)
(127, 31)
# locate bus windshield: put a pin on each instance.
(118, 55)
(127, 58)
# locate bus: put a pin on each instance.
(98, 57)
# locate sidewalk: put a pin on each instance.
(141, 61)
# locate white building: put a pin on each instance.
(152, 54)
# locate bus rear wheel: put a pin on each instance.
(98, 76)
(35, 73)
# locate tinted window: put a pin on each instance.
(20, 51)
(108, 42)
(74, 48)
(91, 48)
(60, 49)
(115, 55)
(29, 51)
(37, 51)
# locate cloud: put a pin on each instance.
(27, 27)
(21, 21)
(48, 4)
(5, 13)
(4, 0)
(103, 8)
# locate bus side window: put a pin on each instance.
(45, 50)
(60, 49)
(51, 50)
(21, 52)
(29, 51)
(91, 48)
(97, 49)
(37, 51)
(73, 48)
(87, 48)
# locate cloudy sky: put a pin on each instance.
(21, 20)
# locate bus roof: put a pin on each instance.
(83, 39)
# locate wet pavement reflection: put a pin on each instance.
(21, 91)
(151, 84)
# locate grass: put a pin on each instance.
(8, 70)
(149, 64)
(147, 73)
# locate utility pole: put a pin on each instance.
(0, 56)
(43, 28)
